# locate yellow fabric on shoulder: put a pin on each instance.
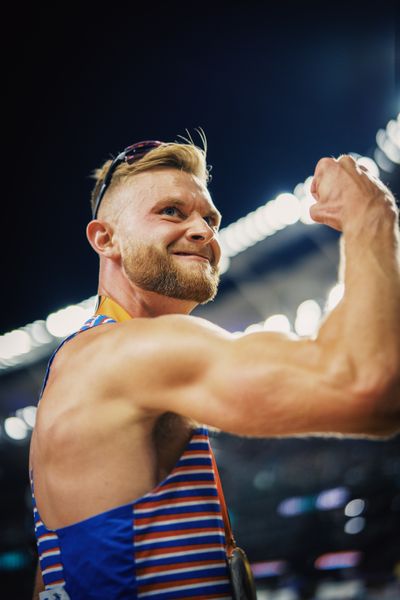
(109, 307)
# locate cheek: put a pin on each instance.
(217, 251)
(166, 234)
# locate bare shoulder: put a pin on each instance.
(258, 384)
(164, 347)
(142, 355)
(164, 335)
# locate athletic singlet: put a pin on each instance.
(168, 544)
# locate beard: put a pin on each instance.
(155, 270)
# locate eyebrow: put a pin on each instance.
(178, 202)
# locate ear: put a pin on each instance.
(102, 238)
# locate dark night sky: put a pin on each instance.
(274, 90)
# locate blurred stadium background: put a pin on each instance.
(275, 91)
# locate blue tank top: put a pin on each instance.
(168, 544)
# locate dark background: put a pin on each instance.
(275, 89)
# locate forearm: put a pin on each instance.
(365, 327)
(372, 297)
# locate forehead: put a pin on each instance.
(151, 187)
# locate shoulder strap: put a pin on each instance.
(230, 540)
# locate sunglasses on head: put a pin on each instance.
(129, 155)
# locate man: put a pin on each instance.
(121, 469)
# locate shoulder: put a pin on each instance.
(159, 350)
(145, 336)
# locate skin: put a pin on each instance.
(145, 223)
(140, 385)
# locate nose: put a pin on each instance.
(199, 231)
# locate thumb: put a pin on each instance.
(313, 188)
(315, 212)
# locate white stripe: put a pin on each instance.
(51, 570)
(55, 585)
(203, 469)
(187, 536)
(35, 510)
(177, 472)
(179, 588)
(179, 488)
(175, 554)
(150, 510)
(201, 455)
(38, 524)
(49, 553)
(47, 538)
(186, 520)
(184, 570)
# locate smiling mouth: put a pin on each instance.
(193, 256)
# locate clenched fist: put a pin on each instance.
(348, 195)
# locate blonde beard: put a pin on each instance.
(155, 270)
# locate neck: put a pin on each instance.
(138, 302)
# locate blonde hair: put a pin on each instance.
(184, 156)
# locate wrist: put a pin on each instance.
(372, 222)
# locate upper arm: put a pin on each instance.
(260, 384)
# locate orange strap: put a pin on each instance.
(230, 540)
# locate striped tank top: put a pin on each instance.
(168, 544)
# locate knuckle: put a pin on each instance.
(325, 161)
(323, 164)
(346, 159)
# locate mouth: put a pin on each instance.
(187, 255)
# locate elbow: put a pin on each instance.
(377, 397)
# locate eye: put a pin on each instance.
(211, 222)
(173, 210)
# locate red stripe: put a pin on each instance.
(50, 549)
(212, 596)
(198, 547)
(45, 537)
(185, 565)
(52, 566)
(179, 582)
(189, 481)
(173, 502)
(157, 518)
(160, 534)
(194, 452)
(184, 468)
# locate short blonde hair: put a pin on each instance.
(184, 156)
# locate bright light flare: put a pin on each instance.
(307, 318)
(335, 295)
(67, 320)
(15, 343)
(354, 508)
(15, 428)
(279, 323)
(354, 526)
(27, 414)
